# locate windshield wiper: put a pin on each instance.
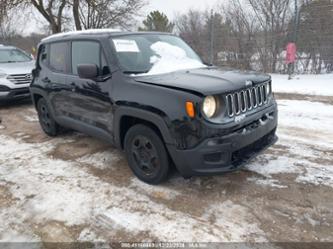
(135, 72)
(8, 61)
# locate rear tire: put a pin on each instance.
(46, 120)
(146, 154)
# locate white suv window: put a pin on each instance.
(13, 55)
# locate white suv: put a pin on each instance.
(15, 73)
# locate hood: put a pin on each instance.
(17, 67)
(205, 81)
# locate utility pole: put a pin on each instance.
(296, 21)
(211, 37)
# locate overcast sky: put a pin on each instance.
(171, 7)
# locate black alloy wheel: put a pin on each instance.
(46, 120)
(146, 154)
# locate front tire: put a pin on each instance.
(146, 154)
(46, 120)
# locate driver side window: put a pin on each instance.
(88, 52)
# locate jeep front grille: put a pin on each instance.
(19, 79)
(248, 99)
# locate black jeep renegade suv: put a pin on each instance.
(152, 96)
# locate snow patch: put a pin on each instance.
(12, 236)
(317, 175)
(30, 115)
(170, 58)
(274, 183)
(305, 114)
(159, 192)
(298, 162)
(304, 84)
(57, 190)
(51, 197)
(229, 221)
(102, 160)
(305, 138)
(88, 235)
(274, 166)
(61, 203)
(87, 31)
(307, 218)
(31, 118)
(224, 215)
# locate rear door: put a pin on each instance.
(54, 77)
(91, 104)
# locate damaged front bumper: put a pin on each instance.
(228, 152)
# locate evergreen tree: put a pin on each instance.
(157, 21)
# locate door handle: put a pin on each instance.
(46, 80)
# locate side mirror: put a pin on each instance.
(87, 71)
(208, 64)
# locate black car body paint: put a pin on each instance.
(198, 146)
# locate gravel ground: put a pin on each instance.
(76, 188)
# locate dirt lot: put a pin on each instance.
(76, 188)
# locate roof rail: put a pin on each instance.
(88, 31)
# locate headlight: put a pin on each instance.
(2, 74)
(269, 89)
(209, 106)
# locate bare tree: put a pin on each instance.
(7, 30)
(5, 7)
(52, 11)
(316, 35)
(76, 14)
(88, 14)
(240, 45)
(3, 10)
(7, 20)
(242, 37)
(228, 30)
(191, 27)
(273, 17)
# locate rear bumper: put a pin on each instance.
(227, 153)
(12, 94)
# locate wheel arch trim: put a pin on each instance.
(43, 94)
(150, 117)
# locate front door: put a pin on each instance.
(91, 104)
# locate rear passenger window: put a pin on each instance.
(58, 53)
(88, 52)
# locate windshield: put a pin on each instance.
(154, 54)
(13, 55)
